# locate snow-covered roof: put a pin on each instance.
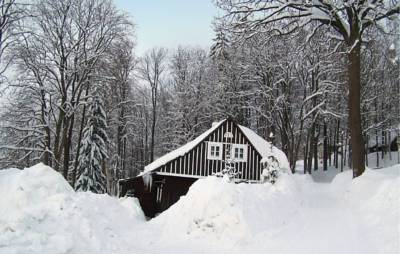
(262, 146)
(180, 151)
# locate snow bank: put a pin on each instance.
(374, 199)
(40, 213)
(222, 210)
(296, 215)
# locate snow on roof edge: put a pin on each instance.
(179, 151)
(265, 148)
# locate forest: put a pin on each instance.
(319, 79)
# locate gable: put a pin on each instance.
(181, 151)
(191, 159)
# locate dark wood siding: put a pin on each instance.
(171, 189)
(195, 162)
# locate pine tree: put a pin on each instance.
(94, 149)
(219, 49)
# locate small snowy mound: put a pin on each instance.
(220, 209)
(41, 213)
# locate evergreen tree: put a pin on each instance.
(219, 49)
(94, 149)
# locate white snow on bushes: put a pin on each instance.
(40, 213)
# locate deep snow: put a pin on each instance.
(40, 213)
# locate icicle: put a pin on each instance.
(148, 180)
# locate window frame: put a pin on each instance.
(209, 148)
(245, 152)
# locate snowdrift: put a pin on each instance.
(222, 210)
(41, 213)
(296, 215)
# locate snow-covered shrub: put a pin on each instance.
(271, 170)
(229, 172)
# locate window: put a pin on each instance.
(239, 152)
(214, 151)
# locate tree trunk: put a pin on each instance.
(342, 154)
(310, 150)
(345, 146)
(67, 144)
(357, 144)
(382, 143)
(44, 117)
(305, 156)
(315, 149)
(153, 130)
(330, 148)
(57, 139)
(389, 139)
(366, 150)
(337, 144)
(325, 160)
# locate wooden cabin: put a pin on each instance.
(165, 180)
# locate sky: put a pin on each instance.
(169, 23)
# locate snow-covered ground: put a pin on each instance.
(40, 213)
(388, 160)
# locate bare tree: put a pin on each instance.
(152, 67)
(118, 65)
(10, 13)
(349, 19)
(58, 56)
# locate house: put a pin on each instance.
(388, 141)
(165, 180)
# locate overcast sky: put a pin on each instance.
(169, 23)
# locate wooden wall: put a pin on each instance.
(146, 195)
(172, 188)
(195, 162)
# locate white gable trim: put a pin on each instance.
(180, 175)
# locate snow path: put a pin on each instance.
(312, 230)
